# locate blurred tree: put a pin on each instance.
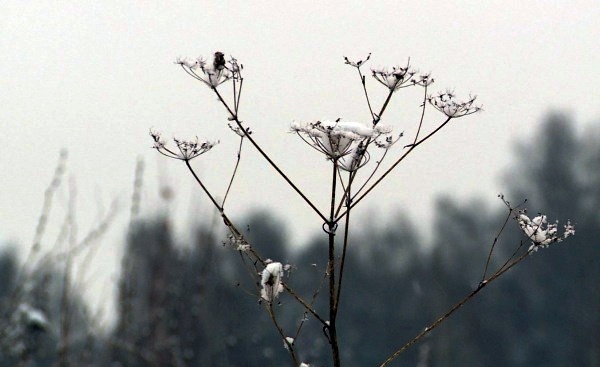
(34, 312)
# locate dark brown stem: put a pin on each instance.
(237, 163)
(385, 104)
(422, 115)
(290, 347)
(389, 170)
(332, 329)
(344, 247)
(454, 308)
(364, 84)
(234, 116)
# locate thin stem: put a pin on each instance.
(331, 271)
(364, 84)
(489, 257)
(237, 234)
(268, 159)
(237, 105)
(378, 164)
(422, 115)
(454, 308)
(376, 119)
(345, 245)
(289, 345)
(385, 104)
(237, 163)
(411, 148)
(235, 96)
(506, 264)
(308, 307)
(187, 163)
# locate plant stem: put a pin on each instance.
(454, 308)
(266, 157)
(345, 245)
(331, 270)
(389, 170)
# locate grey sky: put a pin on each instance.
(93, 77)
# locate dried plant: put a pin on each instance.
(360, 157)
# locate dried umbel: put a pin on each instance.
(445, 102)
(187, 149)
(540, 232)
(214, 74)
(344, 142)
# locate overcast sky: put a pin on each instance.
(94, 76)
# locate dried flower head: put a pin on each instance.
(344, 142)
(187, 149)
(213, 75)
(445, 103)
(540, 232)
(398, 77)
(356, 64)
(424, 80)
(271, 281)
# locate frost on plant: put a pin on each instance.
(540, 232)
(344, 142)
(288, 341)
(271, 281)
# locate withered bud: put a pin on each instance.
(219, 61)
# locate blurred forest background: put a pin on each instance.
(192, 304)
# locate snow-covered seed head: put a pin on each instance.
(341, 141)
(445, 103)
(214, 74)
(396, 78)
(540, 232)
(271, 281)
(187, 149)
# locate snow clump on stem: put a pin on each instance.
(271, 281)
(540, 232)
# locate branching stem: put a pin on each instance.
(234, 116)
